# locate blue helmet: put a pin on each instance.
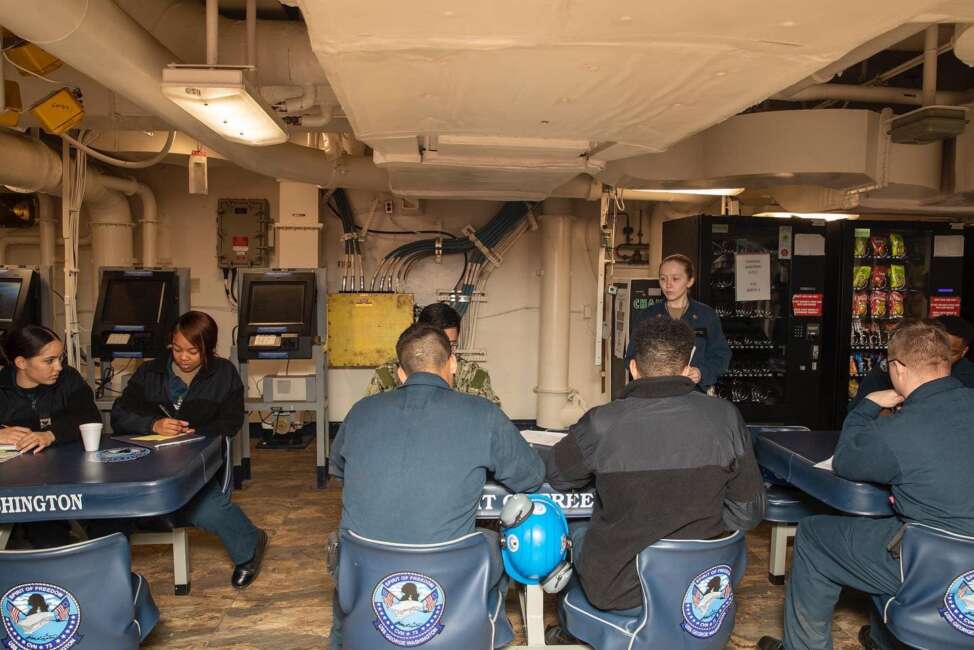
(535, 541)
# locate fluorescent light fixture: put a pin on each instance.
(723, 191)
(821, 216)
(223, 100)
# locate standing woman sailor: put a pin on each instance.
(191, 390)
(711, 355)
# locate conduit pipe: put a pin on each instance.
(872, 94)
(212, 31)
(89, 34)
(30, 166)
(861, 53)
(16, 240)
(930, 38)
(555, 315)
(150, 213)
(252, 36)
(47, 224)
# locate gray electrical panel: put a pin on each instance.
(242, 232)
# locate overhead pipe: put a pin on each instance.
(47, 228)
(251, 19)
(150, 212)
(861, 53)
(553, 390)
(30, 166)
(873, 94)
(930, 38)
(212, 31)
(89, 34)
(284, 49)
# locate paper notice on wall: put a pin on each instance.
(948, 246)
(809, 244)
(621, 323)
(752, 276)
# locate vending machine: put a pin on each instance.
(888, 271)
(767, 280)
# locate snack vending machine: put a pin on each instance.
(889, 270)
(768, 282)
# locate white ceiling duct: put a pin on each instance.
(628, 77)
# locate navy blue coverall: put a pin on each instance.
(923, 453)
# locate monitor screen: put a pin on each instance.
(276, 303)
(9, 292)
(130, 301)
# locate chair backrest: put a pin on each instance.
(934, 607)
(227, 480)
(51, 598)
(688, 592)
(404, 595)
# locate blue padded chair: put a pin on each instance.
(786, 507)
(688, 599)
(934, 608)
(85, 591)
(437, 595)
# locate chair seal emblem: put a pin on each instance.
(39, 616)
(408, 608)
(706, 601)
(958, 609)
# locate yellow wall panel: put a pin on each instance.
(363, 327)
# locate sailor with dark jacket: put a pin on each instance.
(42, 403)
(711, 354)
(667, 461)
(193, 391)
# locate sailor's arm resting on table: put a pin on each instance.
(514, 463)
(79, 409)
(862, 453)
(745, 499)
(567, 465)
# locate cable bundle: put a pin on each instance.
(392, 271)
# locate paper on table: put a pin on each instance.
(7, 446)
(825, 464)
(8, 454)
(153, 437)
(543, 438)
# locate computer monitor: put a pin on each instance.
(277, 318)
(20, 298)
(136, 310)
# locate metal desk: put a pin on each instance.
(62, 482)
(791, 455)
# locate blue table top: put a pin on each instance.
(63, 482)
(792, 454)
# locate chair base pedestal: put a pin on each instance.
(776, 580)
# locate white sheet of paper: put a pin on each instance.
(752, 276)
(948, 246)
(809, 244)
(825, 464)
(543, 438)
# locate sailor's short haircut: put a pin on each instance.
(422, 348)
(663, 346)
(918, 343)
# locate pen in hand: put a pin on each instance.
(183, 426)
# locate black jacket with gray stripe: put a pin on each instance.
(668, 462)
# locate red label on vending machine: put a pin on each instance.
(807, 304)
(944, 306)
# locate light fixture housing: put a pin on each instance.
(221, 98)
(720, 191)
(820, 216)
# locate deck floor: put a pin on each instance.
(289, 606)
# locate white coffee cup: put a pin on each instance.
(91, 435)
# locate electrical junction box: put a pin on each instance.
(242, 226)
(363, 327)
(10, 112)
(928, 124)
(59, 112)
(289, 388)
